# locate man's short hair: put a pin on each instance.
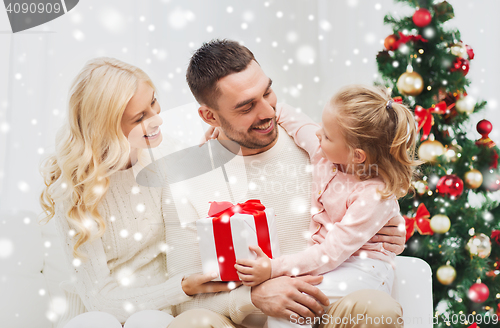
(210, 63)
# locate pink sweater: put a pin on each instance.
(347, 212)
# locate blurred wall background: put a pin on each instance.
(309, 48)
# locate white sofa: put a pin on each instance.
(32, 265)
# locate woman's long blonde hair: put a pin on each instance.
(385, 131)
(91, 145)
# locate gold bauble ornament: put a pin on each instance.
(440, 223)
(429, 150)
(446, 274)
(421, 187)
(466, 105)
(479, 245)
(410, 84)
(459, 50)
(473, 179)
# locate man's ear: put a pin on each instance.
(207, 115)
(359, 156)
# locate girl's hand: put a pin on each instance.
(254, 272)
(212, 133)
(200, 283)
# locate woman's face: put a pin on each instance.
(140, 121)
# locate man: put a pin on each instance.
(236, 96)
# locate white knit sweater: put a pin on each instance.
(126, 268)
(279, 177)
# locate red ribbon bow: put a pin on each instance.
(495, 235)
(221, 212)
(420, 221)
(426, 120)
(405, 38)
(397, 100)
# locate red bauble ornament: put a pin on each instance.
(478, 293)
(460, 64)
(422, 17)
(484, 128)
(391, 42)
(450, 185)
(470, 52)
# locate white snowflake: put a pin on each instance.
(4, 127)
(138, 236)
(112, 20)
(23, 186)
(179, 18)
(128, 307)
(306, 55)
(292, 37)
(140, 207)
(325, 25)
(78, 35)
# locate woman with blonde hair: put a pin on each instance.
(112, 229)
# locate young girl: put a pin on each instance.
(363, 157)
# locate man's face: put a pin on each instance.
(247, 109)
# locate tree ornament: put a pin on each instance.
(495, 235)
(479, 245)
(478, 293)
(440, 223)
(421, 187)
(459, 49)
(491, 181)
(425, 119)
(410, 83)
(470, 52)
(460, 64)
(446, 274)
(391, 42)
(450, 185)
(422, 17)
(473, 179)
(484, 128)
(420, 221)
(466, 105)
(430, 150)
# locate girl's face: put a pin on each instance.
(141, 122)
(333, 145)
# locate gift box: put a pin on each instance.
(229, 230)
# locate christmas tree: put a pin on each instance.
(453, 219)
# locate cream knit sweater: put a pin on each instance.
(279, 177)
(126, 268)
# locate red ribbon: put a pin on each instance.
(420, 221)
(398, 100)
(221, 213)
(495, 235)
(426, 120)
(474, 325)
(406, 38)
